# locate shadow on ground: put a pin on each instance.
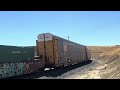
(53, 72)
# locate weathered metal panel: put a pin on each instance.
(31, 67)
(46, 48)
(28, 53)
(60, 51)
(50, 58)
(47, 37)
(9, 54)
(71, 52)
(56, 55)
(41, 50)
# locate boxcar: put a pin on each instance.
(59, 52)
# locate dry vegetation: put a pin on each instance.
(108, 57)
(97, 50)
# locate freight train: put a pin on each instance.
(50, 51)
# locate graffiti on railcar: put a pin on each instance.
(11, 69)
(32, 66)
(29, 67)
(15, 69)
(19, 68)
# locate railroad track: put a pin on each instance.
(51, 74)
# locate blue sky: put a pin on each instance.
(92, 28)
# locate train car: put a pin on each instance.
(50, 51)
(15, 61)
(20, 68)
(15, 54)
(58, 52)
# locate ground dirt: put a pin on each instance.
(109, 61)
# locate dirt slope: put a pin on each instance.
(97, 50)
(110, 58)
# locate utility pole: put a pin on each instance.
(68, 37)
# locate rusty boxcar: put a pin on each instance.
(59, 52)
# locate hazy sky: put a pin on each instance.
(20, 28)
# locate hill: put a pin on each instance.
(108, 56)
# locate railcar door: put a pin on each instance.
(56, 54)
(46, 48)
(41, 47)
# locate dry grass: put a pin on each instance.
(111, 57)
(96, 51)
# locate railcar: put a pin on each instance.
(58, 52)
(50, 51)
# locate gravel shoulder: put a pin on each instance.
(69, 72)
(92, 69)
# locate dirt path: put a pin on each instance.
(91, 72)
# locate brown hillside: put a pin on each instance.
(110, 56)
(97, 50)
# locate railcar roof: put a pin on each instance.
(63, 39)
